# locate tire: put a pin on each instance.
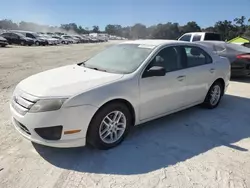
(37, 43)
(209, 102)
(97, 127)
(22, 43)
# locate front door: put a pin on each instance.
(163, 94)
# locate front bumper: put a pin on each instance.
(3, 43)
(73, 118)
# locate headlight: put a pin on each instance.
(45, 105)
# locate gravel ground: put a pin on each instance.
(192, 148)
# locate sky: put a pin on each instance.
(124, 12)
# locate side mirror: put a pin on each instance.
(154, 71)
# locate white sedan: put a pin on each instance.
(96, 102)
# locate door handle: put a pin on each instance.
(181, 78)
(212, 70)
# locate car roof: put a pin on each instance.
(201, 33)
(154, 42)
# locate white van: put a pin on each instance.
(200, 36)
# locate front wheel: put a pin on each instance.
(109, 126)
(214, 95)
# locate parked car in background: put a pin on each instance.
(99, 100)
(200, 36)
(239, 56)
(70, 39)
(62, 40)
(85, 39)
(93, 39)
(3, 42)
(51, 41)
(37, 39)
(17, 38)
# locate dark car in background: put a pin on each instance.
(39, 41)
(17, 38)
(239, 56)
(3, 42)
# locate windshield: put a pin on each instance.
(20, 35)
(123, 58)
(35, 35)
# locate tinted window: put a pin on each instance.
(247, 45)
(196, 38)
(15, 36)
(212, 36)
(195, 56)
(29, 35)
(6, 34)
(186, 37)
(168, 58)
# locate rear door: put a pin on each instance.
(15, 38)
(200, 73)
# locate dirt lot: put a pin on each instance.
(193, 148)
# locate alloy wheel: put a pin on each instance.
(112, 127)
(215, 95)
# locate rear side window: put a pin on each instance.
(196, 38)
(186, 37)
(247, 45)
(212, 36)
(196, 56)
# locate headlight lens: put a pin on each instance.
(45, 105)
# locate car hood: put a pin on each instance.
(65, 81)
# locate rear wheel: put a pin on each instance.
(22, 43)
(109, 126)
(37, 43)
(214, 95)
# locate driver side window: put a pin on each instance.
(168, 58)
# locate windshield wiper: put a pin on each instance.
(103, 70)
(89, 67)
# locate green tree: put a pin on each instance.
(96, 29)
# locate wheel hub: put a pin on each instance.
(112, 127)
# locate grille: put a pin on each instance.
(22, 103)
(22, 127)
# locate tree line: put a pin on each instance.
(227, 28)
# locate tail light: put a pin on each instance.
(243, 56)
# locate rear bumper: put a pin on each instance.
(240, 72)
